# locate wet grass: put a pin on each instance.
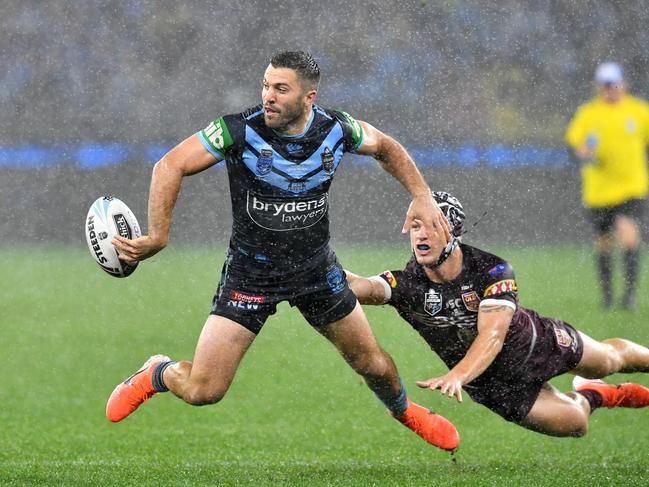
(295, 415)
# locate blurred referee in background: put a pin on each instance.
(608, 136)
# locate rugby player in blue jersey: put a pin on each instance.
(463, 302)
(281, 157)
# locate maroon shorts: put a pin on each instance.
(512, 391)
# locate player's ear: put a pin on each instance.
(310, 96)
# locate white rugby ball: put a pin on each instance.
(108, 217)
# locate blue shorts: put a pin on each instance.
(248, 296)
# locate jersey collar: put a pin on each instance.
(303, 133)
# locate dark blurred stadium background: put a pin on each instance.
(94, 92)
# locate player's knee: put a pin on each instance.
(574, 426)
(579, 416)
(369, 363)
(580, 428)
(579, 424)
(202, 396)
(615, 356)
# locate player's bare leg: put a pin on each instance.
(557, 414)
(628, 232)
(355, 341)
(609, 357)
(220, 348)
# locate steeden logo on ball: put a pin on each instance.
(108, 217)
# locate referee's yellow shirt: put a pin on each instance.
(620, 133)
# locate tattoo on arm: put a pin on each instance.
(493, 308)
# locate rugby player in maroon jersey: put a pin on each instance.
(464, 303)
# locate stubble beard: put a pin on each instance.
(284, 121)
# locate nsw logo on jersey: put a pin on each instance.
(264, 162)
(283, 214)
(336, 279)
(433, 302)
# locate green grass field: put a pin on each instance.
(295, 415)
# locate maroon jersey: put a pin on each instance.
(446, 316)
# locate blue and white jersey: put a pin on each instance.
(279, 184)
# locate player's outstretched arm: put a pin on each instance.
(493, 323)
(395, 160)
(367, 290)
(187, 158)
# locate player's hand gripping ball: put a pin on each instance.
(108, 217)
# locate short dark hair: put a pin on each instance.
(301, 62)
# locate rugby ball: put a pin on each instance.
(108, 217)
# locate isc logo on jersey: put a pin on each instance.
(280, 216)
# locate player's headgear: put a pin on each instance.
(452, 209)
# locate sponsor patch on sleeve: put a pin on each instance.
(217, 136)
(563, 338)
(389, 277)
(471, 301)
(500, 287)
(357, 130)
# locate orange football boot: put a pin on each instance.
(627, 395)
(129, 394)
(432, 427)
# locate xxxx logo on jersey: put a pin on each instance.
(501, 287)
(388, 276)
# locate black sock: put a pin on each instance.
(594, 398)
(604, 266)
(156, 377)
(631, 261)
(398, 404)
